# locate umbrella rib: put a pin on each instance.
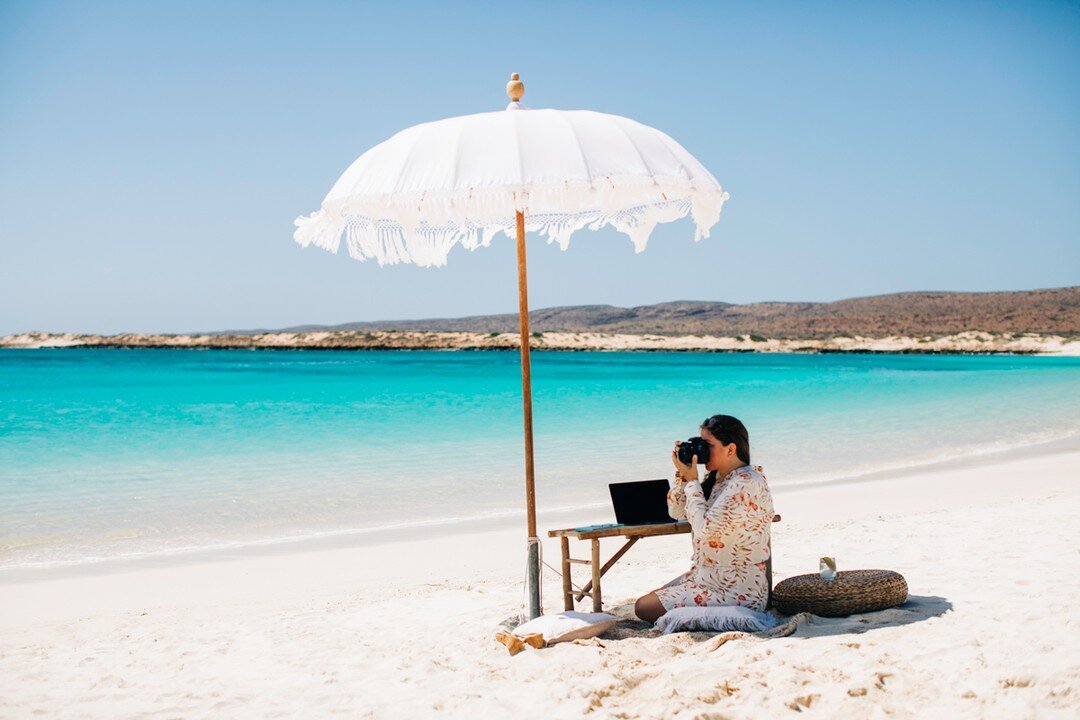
(407, 159)
(573, 131)
(618, 124)
(517, 149)
(457, 157)
(664, 141)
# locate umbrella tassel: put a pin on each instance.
(391, 246)
(354, 243)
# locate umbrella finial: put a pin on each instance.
(515, 88)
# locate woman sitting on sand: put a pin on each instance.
(730, 516)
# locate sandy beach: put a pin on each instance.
(405, 628)
(969, 342)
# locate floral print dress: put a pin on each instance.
(731, 541)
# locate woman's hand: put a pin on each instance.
(688, 473)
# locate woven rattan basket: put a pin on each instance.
(851, 591)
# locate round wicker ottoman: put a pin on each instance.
(851, 591)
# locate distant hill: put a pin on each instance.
(916, 314)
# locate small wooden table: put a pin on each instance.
(632, 533)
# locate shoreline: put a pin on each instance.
(965, 343)
(384, 535)
(925, 489)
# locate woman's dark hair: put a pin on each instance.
(729, 430)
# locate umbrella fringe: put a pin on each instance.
(389, 237)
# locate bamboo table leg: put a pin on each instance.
(607, 566)
(567, 588)
(596, 605)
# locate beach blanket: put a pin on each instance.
(715, 619)
(783, 629)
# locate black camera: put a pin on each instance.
(694, 446)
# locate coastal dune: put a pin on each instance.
(405, 628)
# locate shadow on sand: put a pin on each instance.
(915, 609)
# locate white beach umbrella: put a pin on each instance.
(460, 181)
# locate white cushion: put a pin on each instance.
(565, 626)
(714, 618)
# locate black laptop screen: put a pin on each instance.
(640, 503)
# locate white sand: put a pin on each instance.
(405, 629)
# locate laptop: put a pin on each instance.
(641, 503)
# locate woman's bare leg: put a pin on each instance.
(649, 608)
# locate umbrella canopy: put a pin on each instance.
(460, 181)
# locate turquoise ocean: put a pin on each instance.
(108, 454)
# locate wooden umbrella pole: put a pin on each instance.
(526, 398)
(514, 90)
(526, 373)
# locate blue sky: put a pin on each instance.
(153, 155)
